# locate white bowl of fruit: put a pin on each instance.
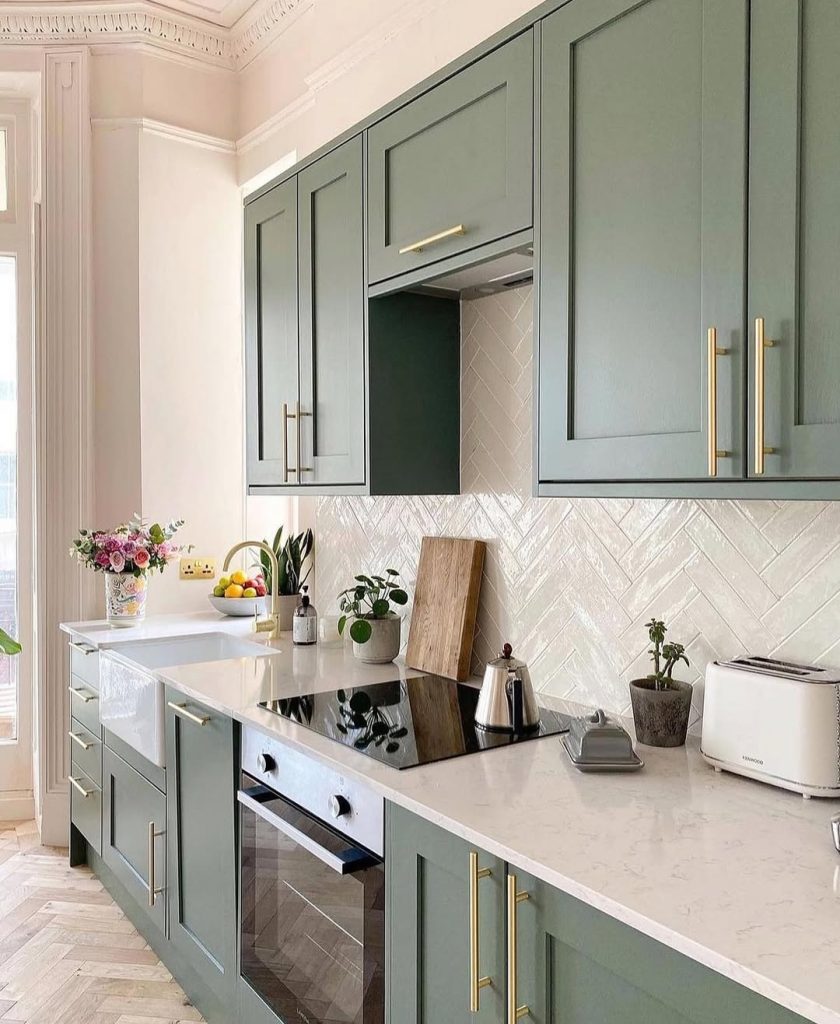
(239, 594)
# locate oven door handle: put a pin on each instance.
(344, 863)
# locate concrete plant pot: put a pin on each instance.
(384, 643)
(661, 716)
(286, 610)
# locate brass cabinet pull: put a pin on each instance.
(82, 647)
(712, 352)
(286, 416)
(79, 787)
(457, 229)
(153, 835)
(181, 709)
(514, 1012)
(761, 343)
(476, 983)
(85, 696)
(299, 417)
(78, 739)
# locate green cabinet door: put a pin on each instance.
(332, 323)
(457, 162)
(642, 210)
(201, 853)
(429, 926)
(795, 235)
(271, 334)
(577, 965)
(133, 835)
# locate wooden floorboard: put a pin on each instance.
(68, 954)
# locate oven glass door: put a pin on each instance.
(313, 915)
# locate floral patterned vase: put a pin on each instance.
(125, 598)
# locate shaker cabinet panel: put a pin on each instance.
(642, 199)
(201, 848)
(429, 924)
(795, 238)
(332, 327)
(271, 332)
(457, 162)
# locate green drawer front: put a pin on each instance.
(131, 806)
(85, 751)
(84, 704)
(84, 663)
(458, 157)
(86, 807)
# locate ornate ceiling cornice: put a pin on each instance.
(91, 24)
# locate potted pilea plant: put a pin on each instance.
(294, 562)
(661, 704)
(374, 627)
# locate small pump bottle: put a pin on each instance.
(305, 621)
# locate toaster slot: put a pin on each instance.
(787, 669)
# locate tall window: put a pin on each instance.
(8, 491)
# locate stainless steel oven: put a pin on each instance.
(312, 907)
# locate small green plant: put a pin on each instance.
(8, 645)
(370, 598)
(664, 655)
(293, 561)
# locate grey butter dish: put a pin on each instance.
(595, 743)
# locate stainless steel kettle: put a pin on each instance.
(506, 702)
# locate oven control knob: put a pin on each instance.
(339, 806)
(266, 763)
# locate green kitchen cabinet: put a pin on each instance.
(429, 926)
(271, 331)
(201, 853)
(331, 414)
(794, 240)
(641, 241)
(453, 169)
(133, 836)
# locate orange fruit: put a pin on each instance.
(234, 590)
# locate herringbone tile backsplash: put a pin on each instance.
(571, 582)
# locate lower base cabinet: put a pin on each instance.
(568, 962)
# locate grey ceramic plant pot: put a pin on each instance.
(287, 604)
(384, 643)
(661, 716)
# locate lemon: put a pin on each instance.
(238, 577)
(234, 590)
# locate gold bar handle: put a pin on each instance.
(79, 787)
(712, 352)
(514, 898)
(153, 835)
(181, 709)
(85, 696)
(299, 417)
(286, 416)
(476, 983)
(78, 739)
(761, 343)
(457, 229)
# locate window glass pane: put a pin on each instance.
(4, 191)
(8, 490)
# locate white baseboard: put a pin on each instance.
(17, 805)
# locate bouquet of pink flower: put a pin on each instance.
(132, 547)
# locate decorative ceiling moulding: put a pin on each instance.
(166, 131)
(144, 22)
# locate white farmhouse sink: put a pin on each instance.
(131, 703)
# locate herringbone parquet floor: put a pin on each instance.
(68, 954)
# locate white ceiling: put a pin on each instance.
(223, 13)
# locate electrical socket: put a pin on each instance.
(198, 568)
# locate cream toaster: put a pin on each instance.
(774, 721)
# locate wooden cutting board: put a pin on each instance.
(440, 638)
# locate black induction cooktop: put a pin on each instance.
(407, 722)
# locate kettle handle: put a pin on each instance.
(517, 704)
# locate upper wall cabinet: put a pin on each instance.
(641, 262)
(453, 169)
(794, 250)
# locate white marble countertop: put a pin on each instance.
(737, 875)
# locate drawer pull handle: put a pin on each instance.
(458, 229)
(153, 892)
(476, 983)
(82, 647)
(514, 1012)
(76, 738)
(761, 343)
(85, 696)
(181, 709)
(712, 352)
(79, 787)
